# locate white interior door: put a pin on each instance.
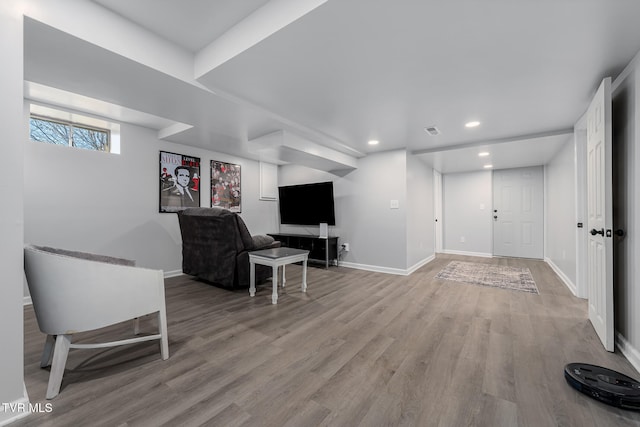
(518, 212)
(599, 215)
(437, 207)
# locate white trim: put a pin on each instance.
(545, 216)
(572, 287)
(374, 268)
(268, 181)
(479, 254)
(630, 68)
(419, 264)
(631, 353)
(388, 270)
(25, 405)
(580, 153)
(172, 273)
(27, 300)
(438, 211)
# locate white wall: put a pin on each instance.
(11, 211)
(420, 213)
(463, 196)
(626, 140)
(375, 232)
(560, 213)
(108, 203)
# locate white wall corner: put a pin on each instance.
(419, 264)
(565, 279)
(172, 273)
(388, 270)
(13, 411)
(631, 353)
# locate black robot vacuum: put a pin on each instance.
(605, 385)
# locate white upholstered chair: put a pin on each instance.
(75, 292)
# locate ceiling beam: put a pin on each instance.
(259, 25)
(494, 141)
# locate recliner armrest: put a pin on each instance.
(275, 244)
(263, 242)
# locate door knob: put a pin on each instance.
(594, 232)
(620, 232)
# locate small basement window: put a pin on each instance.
(59, 127)
(72, 134)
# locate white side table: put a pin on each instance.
(275, 258)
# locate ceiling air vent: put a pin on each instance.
(432, 130)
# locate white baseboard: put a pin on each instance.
(480, 254)
(27, 300)
(388, 270)
(419, 264)
(13, 411)
(572, 287)
(631, 353)
(375, 268)
(172, 273)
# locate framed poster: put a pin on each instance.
(225, 186)
(179, 182)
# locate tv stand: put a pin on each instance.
(320, 249)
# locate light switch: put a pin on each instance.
(481, 206)
(394, 204)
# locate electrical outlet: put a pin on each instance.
(345, 246)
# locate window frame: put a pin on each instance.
(72, 125)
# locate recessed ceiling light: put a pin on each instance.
(374, 142)
(472, 124)
(488, 166)
(483, 154)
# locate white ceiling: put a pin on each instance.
(191, 25)
(350, 71)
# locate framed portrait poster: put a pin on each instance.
(179, 182)
(225, 186)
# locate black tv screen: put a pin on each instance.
(307, 204)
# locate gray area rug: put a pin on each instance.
(497, 276)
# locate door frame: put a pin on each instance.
(542, 213)
(437, 210)
(580, 146)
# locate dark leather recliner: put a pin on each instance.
(216, 245)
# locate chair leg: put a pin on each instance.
(164, 339)
(63, 342)
(48, 351)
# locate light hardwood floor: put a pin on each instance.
(359, 349)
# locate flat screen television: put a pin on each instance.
(307, 204)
